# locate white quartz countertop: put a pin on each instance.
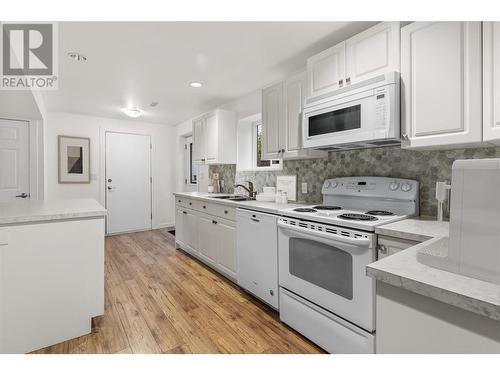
(403, 270)
(415, 229)
(24, 211)
(269, 207)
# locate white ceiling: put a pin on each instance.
(133, 63)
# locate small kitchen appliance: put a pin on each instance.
(364, 114)
(323, 252)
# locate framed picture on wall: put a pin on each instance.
(74, 160)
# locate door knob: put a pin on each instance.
(23, 195)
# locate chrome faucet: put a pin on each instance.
(249, 189)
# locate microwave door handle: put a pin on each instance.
(329, 236)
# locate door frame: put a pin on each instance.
(35, 156)
(102, 174)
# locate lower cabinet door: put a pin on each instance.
(226, 235)
(179, 225)
(190, 231)
(207, 238)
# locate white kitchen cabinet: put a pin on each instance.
(207, 231)
(441, 77)
(282, 106)
(326, 71)
(257, 249)
(373, 52)
(491, 82)
(226, 252)
(214, 138)
(186, 229)
(207, 234)
(388, 246)
(272, 120)
(199, 140)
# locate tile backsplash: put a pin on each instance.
(427, 167)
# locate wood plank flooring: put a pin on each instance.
(161, 300)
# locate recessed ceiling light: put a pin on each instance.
(77, 56)
(133, 112)
(195, 84)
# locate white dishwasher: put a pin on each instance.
(257, 250)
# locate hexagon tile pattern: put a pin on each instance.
(427, 167)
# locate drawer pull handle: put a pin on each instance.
(190, 203)
(256, 220)
(225, 211)
(214, 222)
(184, 212)
(204, 206)
(179, 201)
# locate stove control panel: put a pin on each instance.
(383, 187)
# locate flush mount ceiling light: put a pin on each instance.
(133, 112)
(195, 84)
(77, 56)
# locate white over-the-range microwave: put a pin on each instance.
(364, 114)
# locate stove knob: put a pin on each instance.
(327, 184)
(406, 187)
(334, 184)
(394, 185)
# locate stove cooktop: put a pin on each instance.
(335, 215)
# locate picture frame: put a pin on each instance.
(73, 160)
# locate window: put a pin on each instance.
(191, 168)
(258, 150)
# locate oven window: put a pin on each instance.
(322, 265)
(335, 121)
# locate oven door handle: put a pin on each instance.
(332, 237)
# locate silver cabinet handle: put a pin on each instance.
(256, 220)
(23, 195)
(348, 81)
(341, 83)
(382, 249)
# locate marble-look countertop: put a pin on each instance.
(403, 270)
(419, 229)
(24, 211)
(268, 207)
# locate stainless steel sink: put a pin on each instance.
(234, 197)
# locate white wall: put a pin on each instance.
(163, 159)
(245, 106)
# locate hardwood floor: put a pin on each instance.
(160, 300)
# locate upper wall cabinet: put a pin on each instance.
(326, 71)
(373, 52)
(282, 120)
(214, 138)
(491, 82)
(441, 84)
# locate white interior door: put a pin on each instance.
(128, 182)
(14, 160)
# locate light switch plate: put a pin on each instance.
(304, 188)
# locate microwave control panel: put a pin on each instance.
(380, 107)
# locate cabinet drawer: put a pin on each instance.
(226, 212)
(186, 202)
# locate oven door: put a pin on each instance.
(357, 118)
(327, 267)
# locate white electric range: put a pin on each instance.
(323, 252)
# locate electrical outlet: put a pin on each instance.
(304, 188)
